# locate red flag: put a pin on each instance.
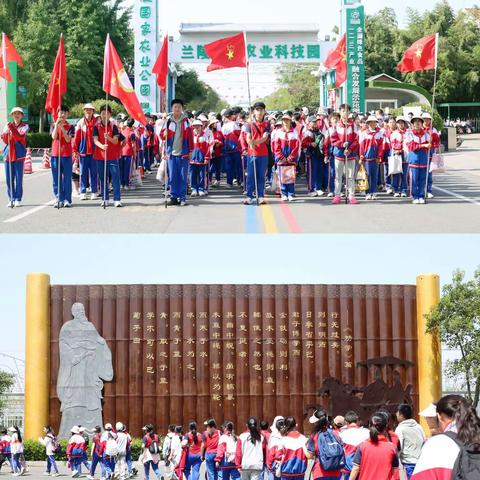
(8, 54)
(227, 52)
(161, 65)
(58, 82)
(117, 83)
(422, 55)
(337, 59)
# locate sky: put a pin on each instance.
(230, 84)
(109, 259)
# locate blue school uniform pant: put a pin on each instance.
(178, 176)
(64, 191)
(192, 467)
(109, 466)
(125, 167)
(409, 468)
(371, 168)
(229, 471)
(51, 464)
(261, 170)
(88, 174)
(216, 168)
(198, 177)
(154, 467)
(314, 172)
(16, 193)
(233, 166)
(331, 174)
(212, 470)
(405, 180)
(96, 459)
(114, 170)
(288, 189)
(418, 179)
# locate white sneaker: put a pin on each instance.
(94, 196)
(320, 193)
(268, 186)
(57, 204)
(284, 197)
(368, 196)
(421, 200)
(389, 191)
(67, 204)
(396, 194)
(248, 201)
(291, 198)
(312, 194)
(261, 201)
(83, 196)
(118, 204)
(75, 474)
(46, 474)
(183, 203)
(17, 203)
(103, 204)
(374, 196)
(330, 194)
(430, 195)
(194, 193)
(90, 477)
(11, 204)
(416, 201)
(235, 181)
(56, 475)
(403, 195)
(201, 193)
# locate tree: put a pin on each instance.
(197, 95)
(457, 319)
(6, 383)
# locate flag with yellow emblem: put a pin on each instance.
(117, 83)
(227, 53)
(58, 82)
(422, 55)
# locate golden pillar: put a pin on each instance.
(37, 354)
(429, 348)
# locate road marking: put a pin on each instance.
(457, 195)
(251, 219)
(291, 220)
(28, 212)
(268, 219)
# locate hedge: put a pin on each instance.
(39, 140)
(35, 451)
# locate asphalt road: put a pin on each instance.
(455, 209)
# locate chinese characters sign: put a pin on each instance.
(145, 30)
(258, 52)
(355, 25)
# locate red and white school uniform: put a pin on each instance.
(199, 163)
(371, 153)
(376, 460)
(293, 450)
(286, 151)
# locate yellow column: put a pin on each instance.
(429, 348)
(37, 354)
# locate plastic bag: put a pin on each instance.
(395, 164)
(437, 165)
(362, 180)
(162, 171)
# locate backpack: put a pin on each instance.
(111, 449)
(330, 451)
(57, 448)
(467, 464)
(153, 447)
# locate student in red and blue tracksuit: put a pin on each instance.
(399, 180)
(62, 135)
(312, 144)
(178, 138)
(5, 447)
(371, 152)
(210, 439)
(231, 149)
(194, 453)
(216, 149)
(83, 146)
(435, 146)
(257, 135)
(199, 160)
(108, 148)
(417, 141)
(226, 453)
(98, 448)
(292, 452)
(76, 448)
(14, 136)
(286, 148)
(129, 150)
(148, 157)
(328, 152)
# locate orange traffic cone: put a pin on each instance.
(142, 172)
(46, 159)
(27, 164)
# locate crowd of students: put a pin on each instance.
(388, 447)
(252, 152)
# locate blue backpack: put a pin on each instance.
(330, 451)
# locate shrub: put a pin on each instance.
(39, 140)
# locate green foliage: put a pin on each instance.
(197, 95)
(85, 26)
(457, 319)
(39, 140)
(437, 119)
(7, 380)
(299, 88)
(76, 111)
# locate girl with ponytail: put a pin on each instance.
(460, 424)
(376, 458)
(250, 447)
(194, 453)
(226, 453)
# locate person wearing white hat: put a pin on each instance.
(231, 148)
(16, 447)
(75, 450)
(216, 152)
(14, 136)
(121, 469)
(371, 153)
(312, 144)
(83, 147)
(5, 441)
(273, 445)
(435, 148)
(397, 137)
(199, 160)
(417, 141)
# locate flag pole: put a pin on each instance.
(106, 154)
(433, 114)
(59, 162)
(346, 136)
(249, 113)
(165, 159)
(5, 68)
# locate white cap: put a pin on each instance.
(108, 426)
(372, 118)
(429, 412)
(426, 115)
(203, 118)
(89, 105)
(75, 429)
(17, 109)
(119, 426)
(11, 429)
(402, 119)
(197, 123)
(81, 429)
